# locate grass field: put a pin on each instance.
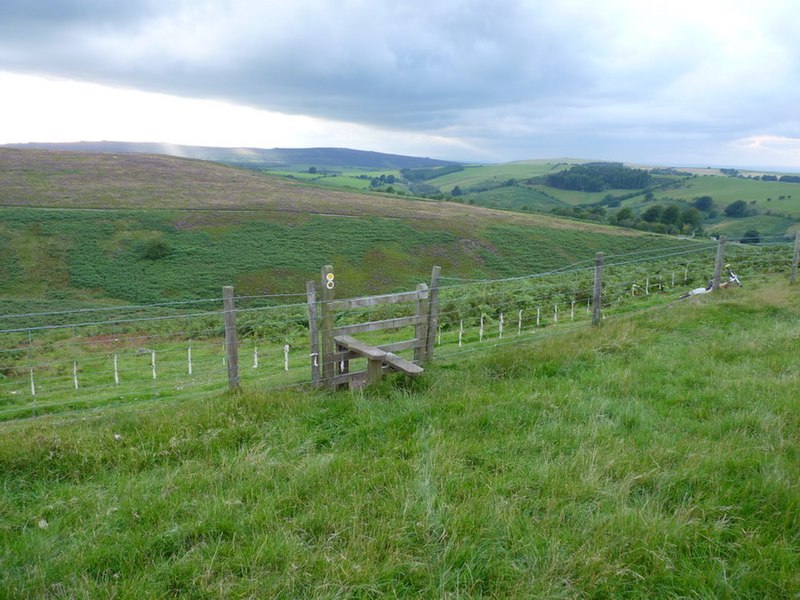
(653, 457)
(473, 175)
(780, 198)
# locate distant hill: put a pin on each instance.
(276, 158)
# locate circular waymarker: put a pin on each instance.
(329, 285)
(329, 276)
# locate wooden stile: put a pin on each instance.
(337, 346)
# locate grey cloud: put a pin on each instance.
(515, 74)
(411, 66)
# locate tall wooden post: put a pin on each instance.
(327, 345)
(231, 340)
(718, 264)
(796, 259)
(313, 332)
(598, 288)
(421, 328)
(433, 312)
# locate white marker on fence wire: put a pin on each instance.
(224, 352)
(480, 331)
(116, 371)
(255, 357)
(189, 356)
(686, 274)
(153, 362)
(538, 316)
(75, 373)
(439, 337)
(589, 306)
(33, 385)
(460, 332)
(500, 325)
(519, 323)
(555, 313)
(572, 311)
(647, 287)
(286, 357)
(315, 356)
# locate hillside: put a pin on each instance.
(653, 457)
(254, 158)
(216, 225)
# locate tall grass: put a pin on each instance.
(653, 457)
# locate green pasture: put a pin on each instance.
(769, 226)
(474, 175)
(519, 198)
(655, 456)
(780, 198)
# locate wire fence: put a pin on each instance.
(71, 360)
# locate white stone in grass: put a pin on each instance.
(117, 437)
(43, 524)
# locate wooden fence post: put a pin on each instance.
(719, 262)
(313, 332)
(327, 345)
(231, 339)
(598, 288)
(421, 328)
(796, 259)
(433, 312)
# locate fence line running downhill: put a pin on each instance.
(72, 360)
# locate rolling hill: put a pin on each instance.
(523, 186)
(77, 227)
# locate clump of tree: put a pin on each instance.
(383, 180)
(704, 203)
(738, 209)
(751, 236)
(598, 177)
(156, 248)
(672, 219)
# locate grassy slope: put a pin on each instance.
(272, 235)
(655, 457)
(477, 174)
(725, 190)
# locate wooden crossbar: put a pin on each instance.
(360, 348)
(401, 364)
(373, 300)
(378, 325)
(377, 357)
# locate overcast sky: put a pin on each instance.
(674, 82)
